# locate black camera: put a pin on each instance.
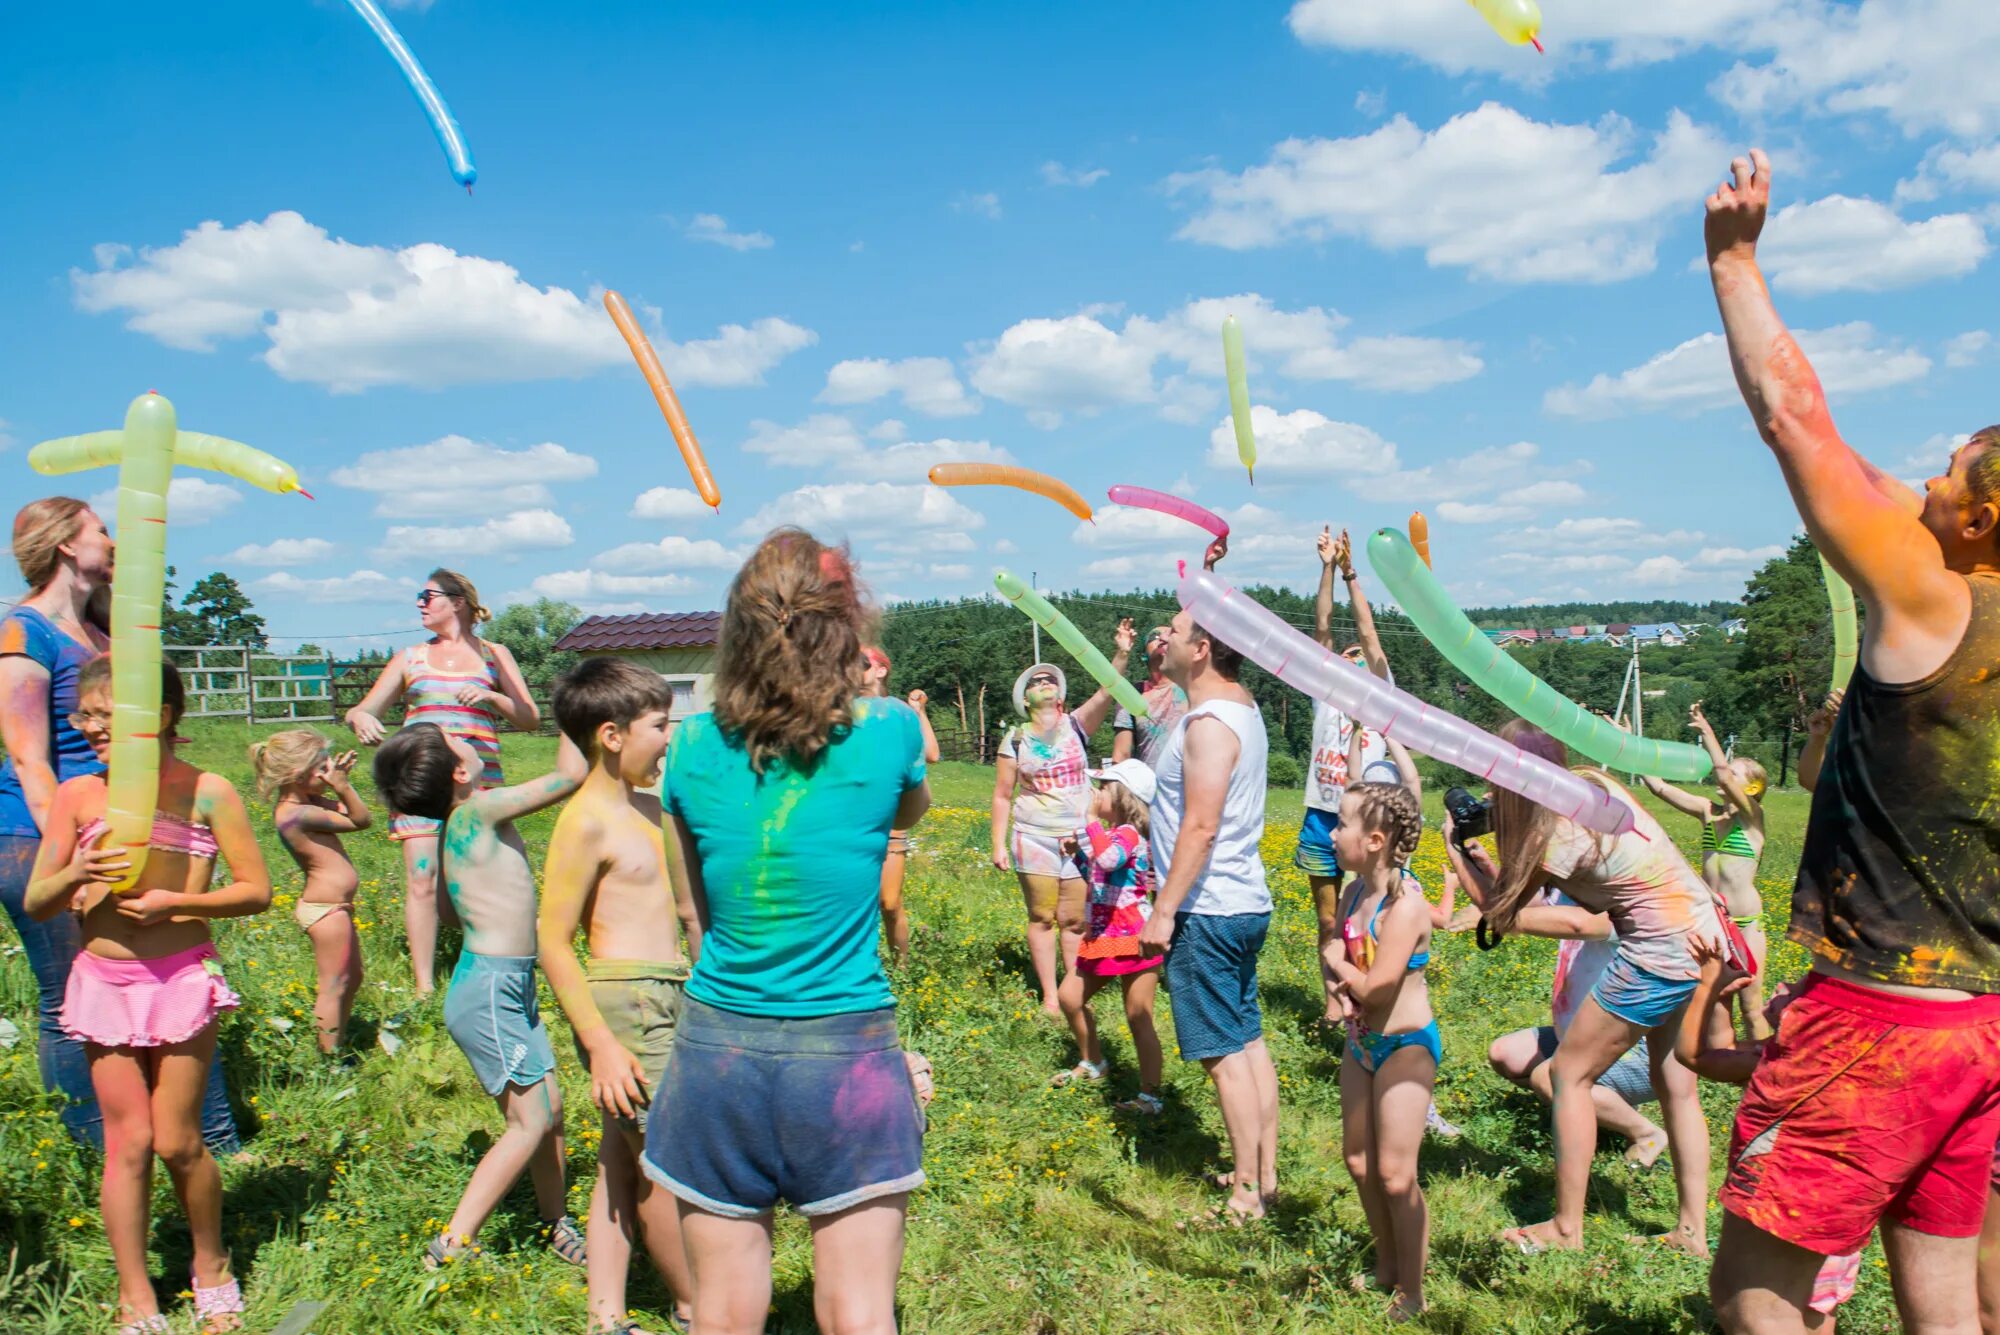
(1470, 816)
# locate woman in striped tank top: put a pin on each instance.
(466, 686)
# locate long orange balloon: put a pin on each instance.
(1006, 475)
(1420, 536)
(663, 391)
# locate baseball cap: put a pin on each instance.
(1134, 774)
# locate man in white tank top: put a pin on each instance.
(1214, 908)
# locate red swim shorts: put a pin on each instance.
(1869, 1105)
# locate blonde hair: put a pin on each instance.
(1759, 778)
(458, 586)
(789, 664)
(284, 758)
(40, 529)
(1127, 809)
(1391, 809)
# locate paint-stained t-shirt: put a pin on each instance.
(1900, 880)
(791, 862)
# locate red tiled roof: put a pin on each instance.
(644, 630)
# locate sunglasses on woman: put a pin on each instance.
(87, 718)
(424, 598)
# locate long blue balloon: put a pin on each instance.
(450, 138)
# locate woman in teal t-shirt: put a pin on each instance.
(788, 1081)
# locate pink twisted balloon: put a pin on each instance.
(1145, 498)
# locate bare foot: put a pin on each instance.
(1406, 1308)
(1682, 1239)
(1646, 1150)
(1542, 1237)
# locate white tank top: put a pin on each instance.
(1234, 881)
(1333, 733)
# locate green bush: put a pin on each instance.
(1283, 770)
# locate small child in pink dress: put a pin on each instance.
(1119, 867)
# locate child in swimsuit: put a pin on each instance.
(1734, 1065)
(1732, 843)
(315, 803)
(1393, 1052)
(1121, 886)
(146, 992)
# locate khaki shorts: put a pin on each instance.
(640, 1001)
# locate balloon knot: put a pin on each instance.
(1536, 40)
(1183, 568)
(303, 492)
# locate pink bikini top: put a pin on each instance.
(171, 834)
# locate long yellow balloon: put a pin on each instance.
(146, 452)
(1007, 475)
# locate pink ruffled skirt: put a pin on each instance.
(145, 1003)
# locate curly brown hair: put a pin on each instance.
(789, 664)
(1391, 809)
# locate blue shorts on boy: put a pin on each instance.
(1315, 855)
(492, 1013)
(756, 1110)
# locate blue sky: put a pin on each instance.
(869, 241)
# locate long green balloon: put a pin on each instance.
(1846, 634)
(1490, 668)
(145, 452)
(1036, 608)
(1239, 393)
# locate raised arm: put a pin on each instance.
(921, 702)
(1406, 767)
(1680, 799)
(1694, 1045)
(353, 814)
(1867, 530)
(1323, 599)
(24, 731)
(1092, 712)
(1819, 727)
(1364, 618)
(496, 805)
(1725, 774)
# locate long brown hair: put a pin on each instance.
(789, 664)
(40, 529)
(1523, 829)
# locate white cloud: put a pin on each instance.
(714, 228)
(832, 442)
(191, 500)
(927, 384)
(1968, 349)
(1072, 364)
(912, 460)
(950, 570)
(1660, 572)
(815, 442)
(986, 205)
(1947, 168)
(1710, 557)
(1443, 33)
(1395, 363)
(351, 317)
(1473, 193)
(1839, 244)
(283, 552)
(864, 509)
(669, 503)
(1595, 533)
(1303, 443)
(933, 544)
(1054, 173)
(1473, 478)
(455, 475)
(363, 586)
(1695, 376)
(595, 588)
(1004, 547)
(1512, 503)
(506, 535)
(668, 554)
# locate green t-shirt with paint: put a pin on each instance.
(791, 862)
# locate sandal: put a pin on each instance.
(1083, 1073)
(565, 1239)
(442, 1250)
(155, 1324)
(210, 1305)
(1142, 1103)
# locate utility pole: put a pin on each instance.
(1034, 582)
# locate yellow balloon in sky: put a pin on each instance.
(146, 452)
(1517, 21)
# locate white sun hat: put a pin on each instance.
(1021, 684)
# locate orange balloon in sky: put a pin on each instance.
(1420, 536)
(663, 391)
(1006, 475)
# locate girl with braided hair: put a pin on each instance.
(1392, 1053)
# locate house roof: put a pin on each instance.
(644, 630)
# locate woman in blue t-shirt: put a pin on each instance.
(788, 1081)
(65, 555)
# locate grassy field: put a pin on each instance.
(1044, 1213)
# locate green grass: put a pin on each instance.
(1044, 1213)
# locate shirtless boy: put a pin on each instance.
(607, 872)
(491, 1009)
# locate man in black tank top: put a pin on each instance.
(1878, 1101)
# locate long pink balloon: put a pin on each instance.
(1145, 498)
(1296, 660)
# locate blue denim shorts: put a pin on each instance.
(1639, 997)
(754, 1110)
(1315, 855)
(492, 1013)
(1212, 979)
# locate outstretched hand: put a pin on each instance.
(1343, 554)
(1125, 636)
(1326, 545)
(1716, 967)
(1820, 722)
(1216, 551)
(1737, 209)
